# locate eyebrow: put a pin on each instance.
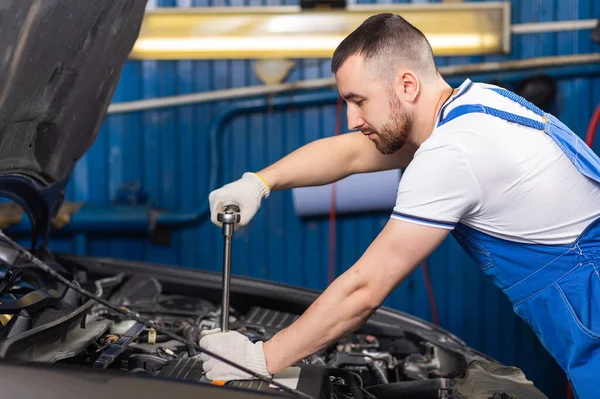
(352, 96)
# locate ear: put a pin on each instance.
(407, 85)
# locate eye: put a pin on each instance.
(360, 102)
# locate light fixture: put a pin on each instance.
(288, 32)
(272, 71)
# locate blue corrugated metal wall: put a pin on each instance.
(166, 151)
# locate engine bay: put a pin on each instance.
(45, 321)
(349, 368)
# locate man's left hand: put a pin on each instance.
(235, 347)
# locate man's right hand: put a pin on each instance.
(247, 193)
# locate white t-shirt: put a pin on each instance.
(498, 177)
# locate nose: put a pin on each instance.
(355, 119)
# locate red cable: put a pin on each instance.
(332, 238)
(592, 127)
(569, 393)
(430, 295)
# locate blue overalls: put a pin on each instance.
(555, 289)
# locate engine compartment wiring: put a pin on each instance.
(134, 316)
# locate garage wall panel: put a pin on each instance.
(165, 152)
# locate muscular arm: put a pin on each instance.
(330, 159)
(355, 295)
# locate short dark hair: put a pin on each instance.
(387, 37)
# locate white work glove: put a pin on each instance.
(232, 346)
(247, 193)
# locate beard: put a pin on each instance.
(392, 135)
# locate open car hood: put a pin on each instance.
(60, 63)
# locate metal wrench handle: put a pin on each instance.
(228, 219)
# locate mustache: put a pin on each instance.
(368, 130)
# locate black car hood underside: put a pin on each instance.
(60, 63)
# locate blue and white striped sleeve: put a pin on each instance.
(437, 189)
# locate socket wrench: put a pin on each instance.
(228, 219)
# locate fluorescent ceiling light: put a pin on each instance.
(286, 32)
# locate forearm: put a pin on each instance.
(341, 309)
(351, 299)
(317, 163)
(328, 160)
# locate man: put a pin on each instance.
(517, 189)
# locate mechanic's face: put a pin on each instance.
(373, 108)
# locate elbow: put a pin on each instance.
(368, 301)
(364, 295)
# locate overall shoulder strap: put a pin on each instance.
(507, 116)
(518, 99)
(581, 155)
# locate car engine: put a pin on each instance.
(349, 368)
(44, 321)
